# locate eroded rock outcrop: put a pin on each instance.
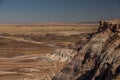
(62, 55)
(98, 58)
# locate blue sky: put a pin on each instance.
(30, 11)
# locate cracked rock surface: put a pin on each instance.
(98, 58)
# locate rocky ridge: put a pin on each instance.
(98, 58)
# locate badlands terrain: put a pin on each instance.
(42, 51)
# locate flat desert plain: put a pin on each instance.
(23, 48)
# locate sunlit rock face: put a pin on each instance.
(98, 58)
(113, 25)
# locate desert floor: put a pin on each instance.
(21, 47)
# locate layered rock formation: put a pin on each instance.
(62, 55)
(98, 58)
